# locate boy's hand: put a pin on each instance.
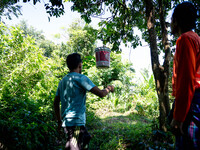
(111, 88)
(177, 127)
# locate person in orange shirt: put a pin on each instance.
(186, 78)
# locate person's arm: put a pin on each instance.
(186, 69)
(102, 93)
(57, 111)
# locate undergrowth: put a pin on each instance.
(112, 130)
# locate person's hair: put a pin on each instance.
(73, 60)
(185, 14)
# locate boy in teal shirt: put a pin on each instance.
(71, 93)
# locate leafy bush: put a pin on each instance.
(146, 101)
(28, 85)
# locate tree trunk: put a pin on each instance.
(166, 64)
(161, 73)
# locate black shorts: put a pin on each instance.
(78, 138)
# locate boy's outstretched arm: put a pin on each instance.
(102, 93)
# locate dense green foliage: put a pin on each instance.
(29, 79)
(28, 84)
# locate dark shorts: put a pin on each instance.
(78, 138)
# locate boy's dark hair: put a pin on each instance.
(185, 15)
(73, 60)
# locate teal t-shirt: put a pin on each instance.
(72, 91)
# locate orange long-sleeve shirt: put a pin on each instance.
(186, 73)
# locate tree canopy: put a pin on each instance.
(9, 7)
